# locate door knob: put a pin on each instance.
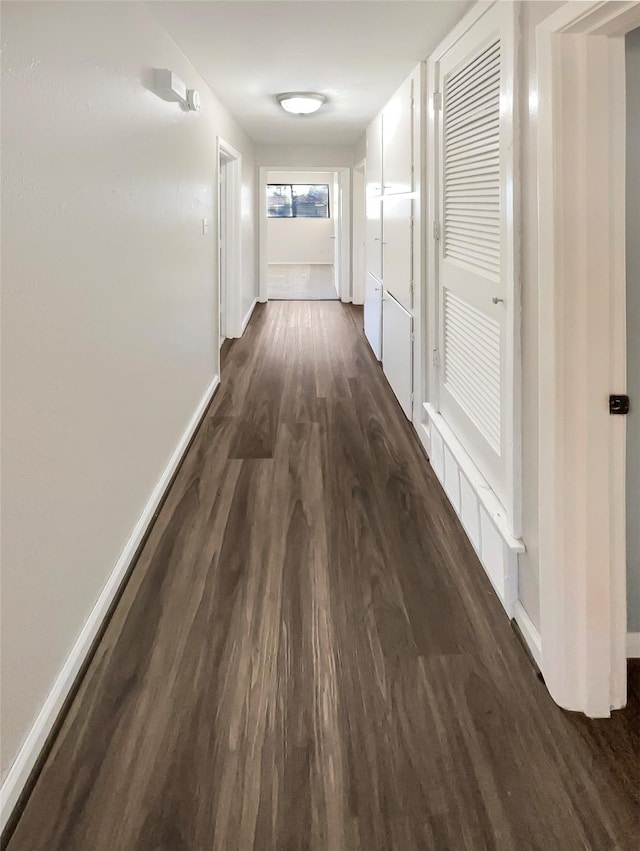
(332, 237)
(497, 300)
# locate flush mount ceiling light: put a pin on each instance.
(301, 103)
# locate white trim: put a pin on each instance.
(480, 513)
(344, 236)
(245, 321)
(529, 632)
(36, 738)
(633, 645)
(298, 263)
(358, 230)
(581, 86)
(233, 234)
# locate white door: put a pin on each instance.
(374, 236)
(475, 258)
(222, 249)
(374, 156)
(397, 252)
(373, 314)
(397, 136)
(336, 219)
(397, 351)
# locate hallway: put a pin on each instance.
(308, 655)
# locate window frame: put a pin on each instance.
(291, 187)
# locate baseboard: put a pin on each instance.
(27, 758)
(633, 645)
(529, 632)
(245, 321)
(424, 435)
(481, 513)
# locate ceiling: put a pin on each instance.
(355, 53)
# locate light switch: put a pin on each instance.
(205, 226)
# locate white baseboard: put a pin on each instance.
(245, 321)
(423, 431)
(29, 752)
(529, 632)
(633, 645)
(481, 513)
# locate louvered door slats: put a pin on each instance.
(472, 367)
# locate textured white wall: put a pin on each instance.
(633, 329)
(304, 156)
(301, 240)
(109, 310)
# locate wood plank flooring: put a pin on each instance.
(308, 654)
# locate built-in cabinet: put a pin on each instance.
(397, 347)
(397, 148)
(373, 313)
(397, 218)
(390, 249)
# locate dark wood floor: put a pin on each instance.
(308, 654)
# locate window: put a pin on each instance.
(298, 201)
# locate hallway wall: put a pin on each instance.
(304, 156)
(301, 240)
(109, 310)
(633, 329)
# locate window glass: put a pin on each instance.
(298, 201)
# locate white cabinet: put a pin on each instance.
(374, 157)
(373, 314)
(397, 351)
(397, 148)
(397, 253)
(374, 237)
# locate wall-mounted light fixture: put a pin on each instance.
(171, 88)
(301, 103)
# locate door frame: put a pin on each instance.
(343, 229)
(359, 225)
(582, 344)
(233, 252)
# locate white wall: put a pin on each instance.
(633, 330)
(304, 156)
(109, 312)
(301, 240)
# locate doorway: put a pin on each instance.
(222, 248)
(228, 241)
(582, 325)
(632, 63)
(305, 234)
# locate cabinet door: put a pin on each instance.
(397, 269)
(373, 314)
(374, 157)
(374, 237)
(397, 149)
(397, 351)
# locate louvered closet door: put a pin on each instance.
(473, 286)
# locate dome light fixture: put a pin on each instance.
(301, 103)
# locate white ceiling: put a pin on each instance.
(355, 53)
